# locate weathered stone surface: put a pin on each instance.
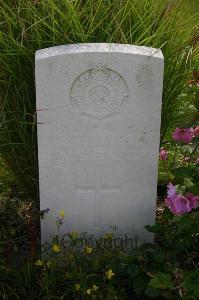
(99, 108)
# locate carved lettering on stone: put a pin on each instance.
(99, 93)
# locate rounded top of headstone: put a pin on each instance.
(98, 47)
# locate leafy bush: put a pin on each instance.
(72, 267)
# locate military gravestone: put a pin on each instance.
(98, 115)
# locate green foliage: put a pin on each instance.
(12, 230)
(27, 26)
(6, 178)
(80, 266)
(178, 247)
(190, 8)
(181, 166)
(161, 281)
(190, 283)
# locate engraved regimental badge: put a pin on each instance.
(99, 93)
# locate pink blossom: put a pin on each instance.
(193, 200)
(183, 134)
(171, 192)
(197, 160)
(179, 204)
(163, 154)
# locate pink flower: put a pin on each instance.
(183, 134)
(196, 131)
(163, 154)
(171, 192)
(179, 204)
(197, 160)
(194, 200)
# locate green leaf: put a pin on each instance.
(154, 228)
(159, 255)
(162, 281)
(181, 173)
(195, 189)
(139, 282)
(191, 283)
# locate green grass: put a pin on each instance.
(6, 178)
(26, 26)
(191, 7)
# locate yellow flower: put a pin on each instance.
(109, 274)
(56, 248)
(39, 262)
(77, 287)
(62, 213)
(88, 291)
(88, 249)
(108, 236)
(95, 288)
(74, 234)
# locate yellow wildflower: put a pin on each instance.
(109, 274)
(88, 291)
(95, 288)
(56, 248)
(39, 263)
(77, 287)
(74, 234)
(62, 213)
(88, 249)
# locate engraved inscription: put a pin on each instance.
(99, 93)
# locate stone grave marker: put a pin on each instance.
(98, 115)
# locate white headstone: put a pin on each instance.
(99, 112)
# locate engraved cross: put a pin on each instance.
(100, 194)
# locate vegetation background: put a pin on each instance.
(27, 26)
(166, 270)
